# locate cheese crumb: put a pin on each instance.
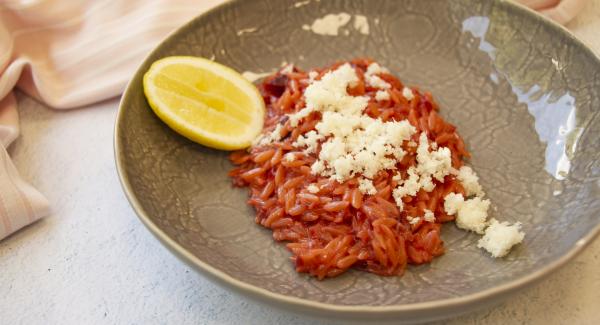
(407, 93)
(372, 78)
(409, 186)
(329, 24)
(470, 214)
(363, 145)
(375, 68)
(361, 24)
(470, 181)
(453, 202)
(437, 163)
(429, 216)
(366, 186)
(296, 117)
(310, 140)
(329, 94)
(312, 75)
(413, 220)
(289, 157)
(351, 143)
(500, 237)
(268, 138)
(430, 165)
(376, 82)
(312, 188)
(382, 95)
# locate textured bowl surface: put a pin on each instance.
(522, 91)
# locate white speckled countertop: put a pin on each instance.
(92, 261)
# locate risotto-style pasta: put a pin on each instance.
(329, 223)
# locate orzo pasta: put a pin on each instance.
(346, 211)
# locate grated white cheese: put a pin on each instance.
(429, 216)
(361, 24)
(470, 214)
(453, 202)
(329, 24)
(372, 78)
(375, 68)
(376, 82)
(436, 164)
(312, 76)
(430, 165)
(312, 188)
(329, 94)
(366, 186)
(407, 93)
(268, 138)
(470, 181)
(318, 167)
(382, 95)
(289, 157)
(362, 145)
(407, 187)
(350, 142)
(413, 220)
(310, 140)
(500, 237)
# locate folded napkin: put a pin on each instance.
(20, 204)
(70, 53)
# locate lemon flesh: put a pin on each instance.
(205, 101)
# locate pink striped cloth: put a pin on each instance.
(70, 53)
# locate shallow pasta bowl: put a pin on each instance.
(521, 90)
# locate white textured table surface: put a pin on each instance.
(93, 262)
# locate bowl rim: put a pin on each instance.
(349, 310)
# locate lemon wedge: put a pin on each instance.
(205, 101)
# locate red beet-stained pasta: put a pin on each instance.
(334, 226)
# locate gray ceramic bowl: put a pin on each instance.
(522, 91)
